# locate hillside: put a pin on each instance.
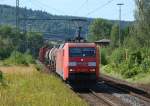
(53, 29)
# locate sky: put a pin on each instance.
(85, 8)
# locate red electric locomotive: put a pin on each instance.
(74, 60)
(78, 61)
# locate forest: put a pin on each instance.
(49, 28)
(129, 59)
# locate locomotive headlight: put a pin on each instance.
(91, 63)
(92, 70)
(72, 63)
(71, 70)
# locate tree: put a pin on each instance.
(114, 35)
(10, 41)
(126, 32)
(6, 44)
(34, 42)
(142, 25)
(99, 29)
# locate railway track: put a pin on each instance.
(131, 93)
(134, 87)
(137, 94)
(109, 92)
(105, 99)
(95, 99)
(126, 87)
(96, 96)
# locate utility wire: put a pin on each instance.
(100, 7)
(36, 4)
(81, 6)
(48, 6)
(4, 0)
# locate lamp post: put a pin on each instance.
(120, 4)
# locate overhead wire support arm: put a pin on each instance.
(71, 19)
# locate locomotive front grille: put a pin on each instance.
(82, 76)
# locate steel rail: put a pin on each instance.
(102, 97)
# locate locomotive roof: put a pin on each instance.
(81, 44)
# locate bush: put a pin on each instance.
(138, 62)
(103, 56)
(19, 58)
(5, 52)
(29, 58)
(146, 59)
(146, 64)
(1, 76)
(123, 70)
(123, 67)
(39, 67)
(107, 69)
(132, 72)
(117, 56)
(136, 58)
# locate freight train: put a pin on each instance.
(73, 61)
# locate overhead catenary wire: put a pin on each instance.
(100, 7)
(37, 4)
(48, 6)
(40, 4)
(4, 0)
(81, 6)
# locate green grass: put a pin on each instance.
(1, 63)
(111, 73)
(142, 78)
(36, 89)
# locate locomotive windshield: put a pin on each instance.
(82, 52)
